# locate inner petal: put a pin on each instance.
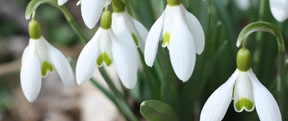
(166, 40)
(135, 39)
(103, 58)
(243, 93)
(46, 66)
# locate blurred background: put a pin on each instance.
(222, 21)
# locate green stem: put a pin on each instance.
(102, 89)
(73, 24)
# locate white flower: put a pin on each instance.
(102, 49)
(61, 2)
(91, 11)
(279, 9)
(122, 21)
(247, 92)
(182, 34)
(38, 59)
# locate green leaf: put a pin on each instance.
(154, 110)
(34, 4)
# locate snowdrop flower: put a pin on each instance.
(183, 35)
(122, 21)
(105, 47)
(91, 11)
(247, 92)
(279, 9)
(38, 59)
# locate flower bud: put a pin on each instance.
(34, 29)
(106, 20)
(173, 2)
(243, 59)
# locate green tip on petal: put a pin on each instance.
(106, 19)
(166, 39)
(244, 102)
(135, 39)
(34, 29)
(173, 2)
(46, 66)
(103, 58)
(243, 59)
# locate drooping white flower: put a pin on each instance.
(122, 21)
(182, 34)
(245, 90)
(279, 9)
(91, 11)
(104, 47)
(38, 59)
(61, 2)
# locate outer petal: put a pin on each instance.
(217, 104)
(279, 9)
(62, 65)
(30, 74)
(91, 11)
(87, 59)
(243, 93)
(182, 54)
(153, 41)
(125, 57)
(61, 2)
(266, 106)
(196, 30)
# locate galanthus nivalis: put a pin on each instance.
(279, 9)
(247, 92)
(38, 59)
(105, 47)
(182, 34)
(123, 22)
(91, 11)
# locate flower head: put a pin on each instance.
(245, 90)
(38, 59)
(106, 47)
(182, 34)
(279, 9)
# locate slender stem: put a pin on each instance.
(73, 24)
(105, 91)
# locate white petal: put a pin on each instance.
(196, 30)
(125, 57)
(142, 33)
(91, 11)
(87, 59)
(182, 54)
(62, 66)
(152, 41)
(217, 104)
(243, 93)
(30, 74)
(62, 2)
(279, 9)
(266, 106)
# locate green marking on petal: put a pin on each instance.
(244, 102)
(166, 39)
(46, 66)
(135, 39)
(103, 58)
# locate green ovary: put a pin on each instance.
(166, 39)
(46, 66)
(244, 102)
(135, 39)
(103, 58)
